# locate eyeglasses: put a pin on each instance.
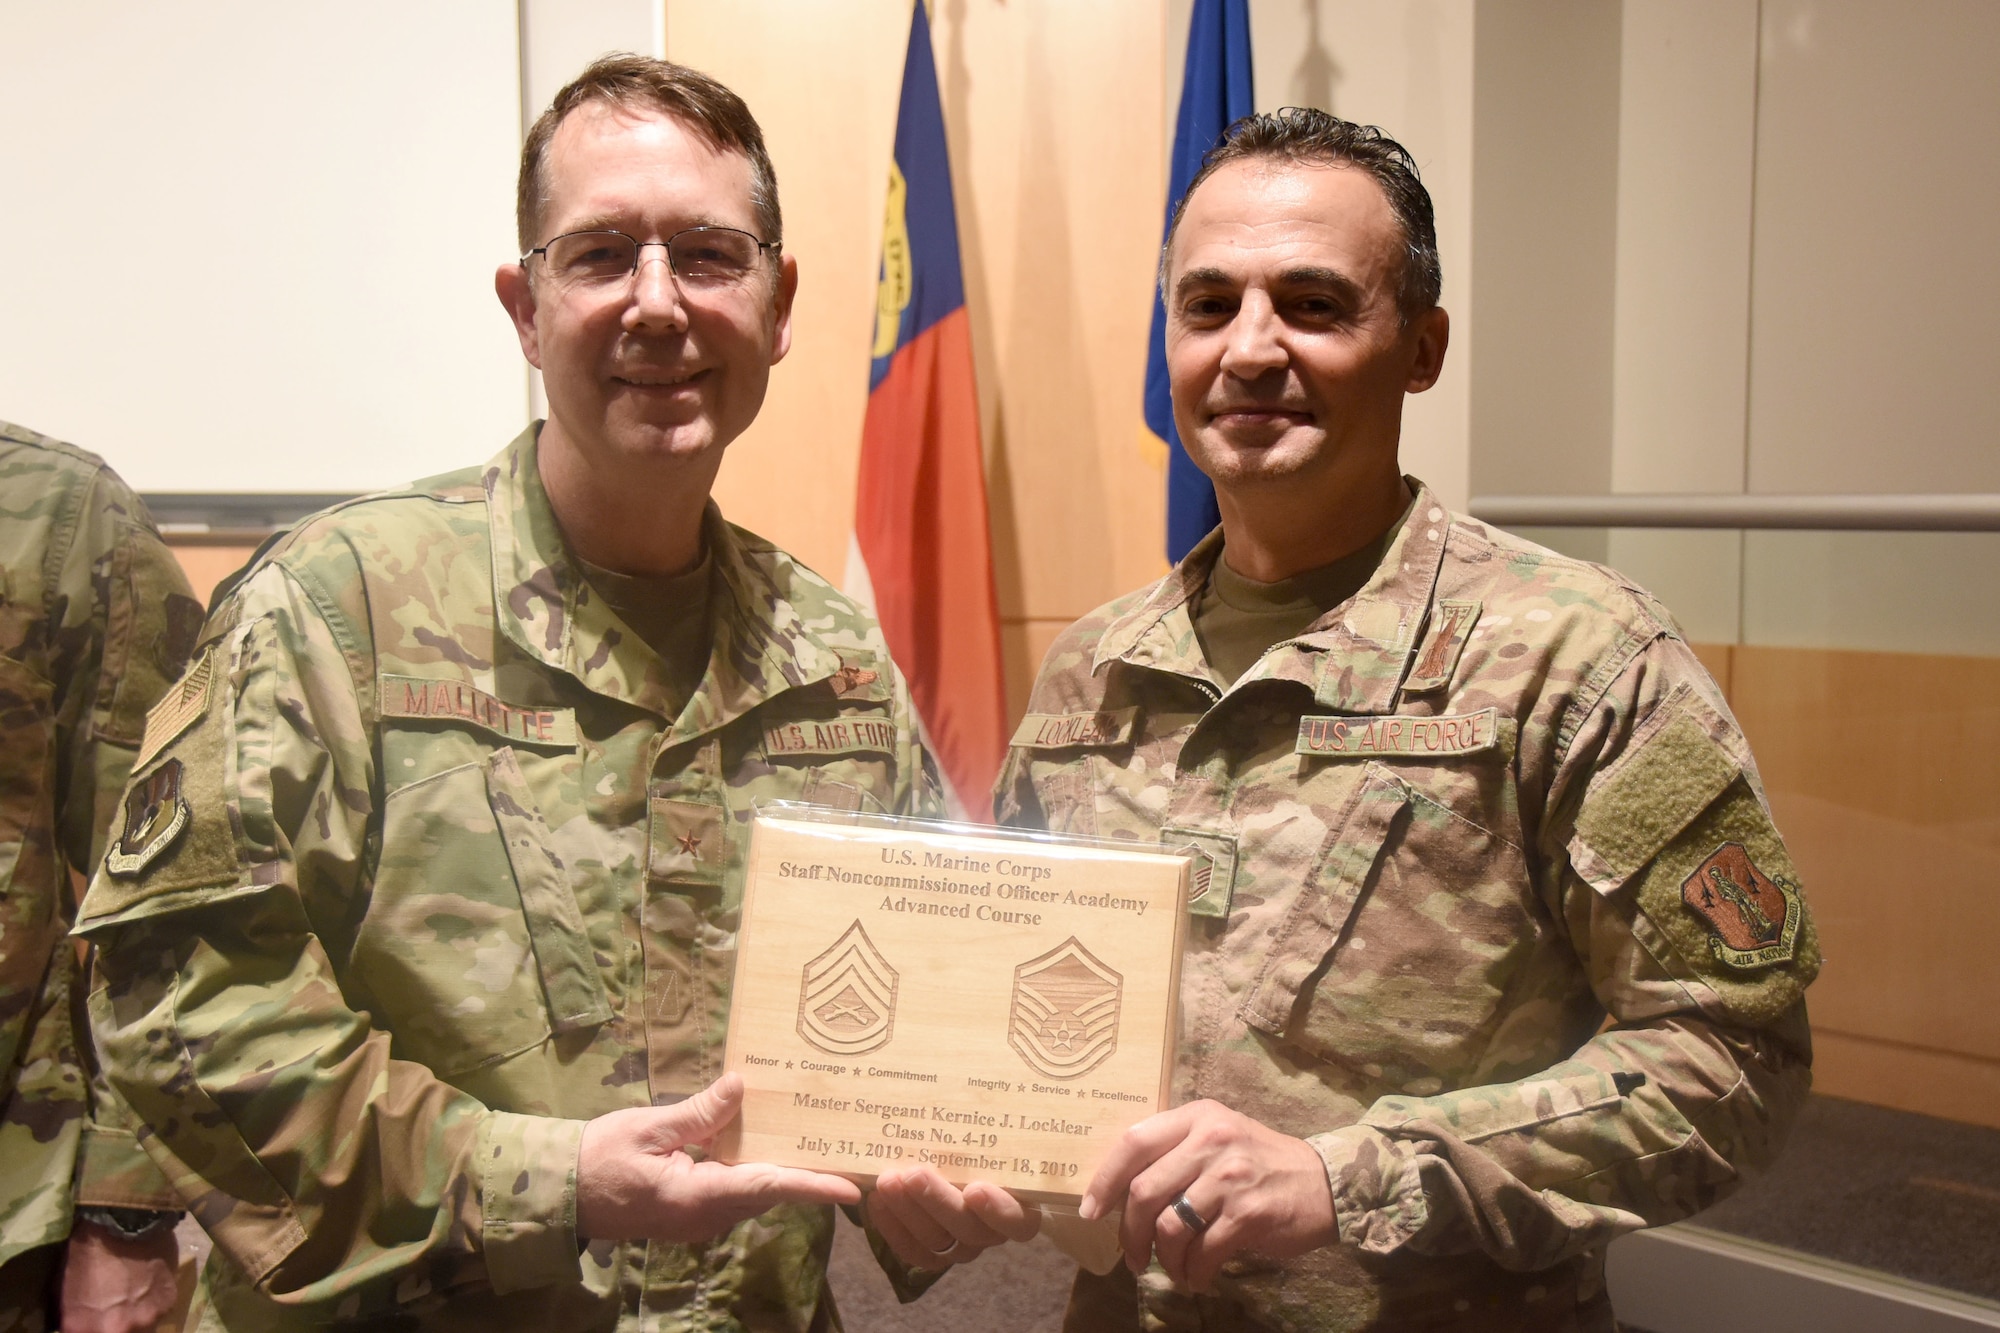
(702, 258)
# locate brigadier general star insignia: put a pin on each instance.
(156, 814)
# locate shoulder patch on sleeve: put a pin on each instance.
(1675, 829)
(177, 709)
(1752, 918)
(156, 814)
(1726, 897)
(177, 832)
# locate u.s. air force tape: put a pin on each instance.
(1399, 737)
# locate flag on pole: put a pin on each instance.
(1216, 91)
(922, 555)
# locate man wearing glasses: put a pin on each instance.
(419, 930)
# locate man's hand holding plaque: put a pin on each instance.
(931, 1223)
(635, 1179)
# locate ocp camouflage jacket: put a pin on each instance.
(1486, 803)
(458, 876)
(95, 620)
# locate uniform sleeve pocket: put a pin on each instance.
(1324, 905)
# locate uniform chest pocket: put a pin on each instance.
(1397, 956)
(27, 730)
(474, 948)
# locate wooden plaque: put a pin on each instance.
(997, 1008)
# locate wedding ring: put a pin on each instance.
(1190, 1219)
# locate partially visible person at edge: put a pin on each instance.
(96, 622)
(417, 959)
(1496, 955)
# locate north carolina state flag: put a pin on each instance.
(921, 554)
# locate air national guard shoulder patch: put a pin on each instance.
(1752, 919)
(156, 814)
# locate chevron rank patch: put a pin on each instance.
(1212, 882)
(1450, 626)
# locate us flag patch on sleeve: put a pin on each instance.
(177, 709)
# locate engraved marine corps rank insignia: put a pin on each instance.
(847, 1000)
(1064, 1020)
(155, 815)
(1753, 920)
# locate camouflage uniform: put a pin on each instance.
(1468, 814)
(458, 875)
(95, 621)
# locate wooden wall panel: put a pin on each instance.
(206, 566)
(1881, 769)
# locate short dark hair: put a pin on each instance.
(1297, 134)
(640, 83)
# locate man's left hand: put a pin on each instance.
(112, 1284)
(932, 1224)
(1255, 1188)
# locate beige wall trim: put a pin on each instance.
(1689, 1279)
(1877, 513)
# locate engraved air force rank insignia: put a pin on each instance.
(1064, 1019)
(156, 814)
(1752, 919)
(847, 999)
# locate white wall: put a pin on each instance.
(250, 246)
(1406, 65)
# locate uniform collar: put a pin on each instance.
(761, 646)
(1355, 656)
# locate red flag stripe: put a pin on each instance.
(921, 525)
